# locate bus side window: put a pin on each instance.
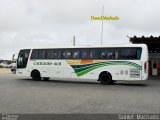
(117, 55)
(75, 54)
(42, 54)
(125, 53)
(103, 53)
(34, 54)
(49, 54)
(55, 54)
(111, 55)
(138, 53)
(93, 54)
(133, 53)
(66, 54)
(84, 54)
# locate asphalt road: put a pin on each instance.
(23, 95)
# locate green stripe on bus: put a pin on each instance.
(89, 67)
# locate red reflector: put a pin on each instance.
(145, 65)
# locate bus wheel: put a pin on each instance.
(46, 78)
(105, 78)
(36, 75)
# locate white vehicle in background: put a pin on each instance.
(106, 64)
(5, 65)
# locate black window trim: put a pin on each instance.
(97, 54)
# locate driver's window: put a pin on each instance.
(20, 60)
(26, 55)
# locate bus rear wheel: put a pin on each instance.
(105, 78)
(36, 75)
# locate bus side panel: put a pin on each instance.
(39, 65)
(23, 72)
(121, 70)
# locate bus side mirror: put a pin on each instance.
(15, 56)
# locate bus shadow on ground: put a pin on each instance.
(131, 84)
(89, 82)
(60, 81)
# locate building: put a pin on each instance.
(153, 44)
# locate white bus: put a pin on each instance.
(104, 63)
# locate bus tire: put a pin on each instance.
(105, 78)
(35, 74)
(46, 78)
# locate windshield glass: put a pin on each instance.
(23, 58)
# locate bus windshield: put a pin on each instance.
(23, 58)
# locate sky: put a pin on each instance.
(50, 23)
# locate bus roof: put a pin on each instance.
(98, 46)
